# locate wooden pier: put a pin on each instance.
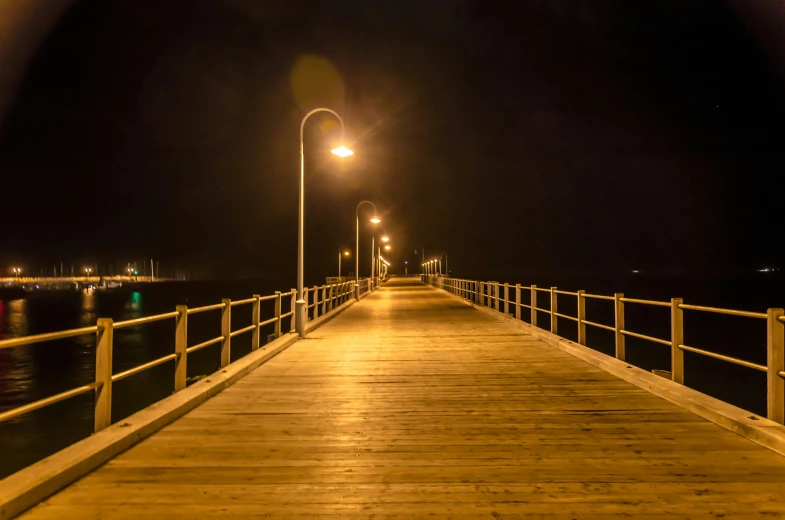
(412, 403)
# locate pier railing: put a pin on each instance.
(511, 299)
(320, 301)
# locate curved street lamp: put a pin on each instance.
(374, 220)
(341, 151)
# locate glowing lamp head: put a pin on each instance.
(386, 248)
(346, 253)
(385, 239)
(342, 151)
(376, 220)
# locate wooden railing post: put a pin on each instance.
(332, 299)
(226, 331)
(292, 307)
(324, 300)
(677, 338)
(506, 298)
(315, 301)
(554, 310)
(618, 307)
(256, 311)
(103, 374)
(305, 307)
(775, 332)
(581, 318)
(278, 306)
(517, 301)
(181, 348)
(534, 306)
(497, 295)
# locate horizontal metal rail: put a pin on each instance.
(565, 316)
(729, 359)
(206, 308)
(146, 319)
(141, 368)
(249, 328)
(287, 314)
(566, 292)
(645, 302)
(266, 298)
(542, 310)
(524, 305)
(267, 322)
(644, 336)
(204, 344)
(600, 325)
(47, 336)
(246, 301)
(41, 403)
(732, 312)
(540, 289)
(598, 297)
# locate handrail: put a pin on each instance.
(645, 302)
(204, 344)
(142, 368)
(597, 296)
(644, 336)
(41, 403)
(146, 319)
(475, 291)
(249, 328)
(103, 330)
(735, 361)
(732, 312)
(600, 325)
(242, 302)
(47, 336)
(206, 308)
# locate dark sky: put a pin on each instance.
(540, 135)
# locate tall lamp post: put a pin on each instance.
(340, 254)
(374, 220)
(341, 151)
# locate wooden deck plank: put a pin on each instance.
(412, 404)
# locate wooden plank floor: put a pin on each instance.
(411, 404)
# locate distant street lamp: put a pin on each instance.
(340, 254)
(423, 256)
(88, 270)
(341, 151)
(385, 239)
(17, 271)
(387, 248)
(374, 220)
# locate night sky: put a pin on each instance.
(541, 135)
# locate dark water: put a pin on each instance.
(37, 371)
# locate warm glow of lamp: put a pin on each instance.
(385, 239)
(346, 253)
(386, 248)
(342, 151)
(376, 220)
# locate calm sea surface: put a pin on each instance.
(37, 371)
